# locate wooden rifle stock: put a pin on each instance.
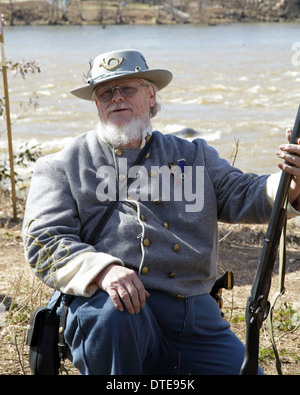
(257, 308)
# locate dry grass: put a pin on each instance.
(20, 292)
(239, 252)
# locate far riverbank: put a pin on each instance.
(116, 12)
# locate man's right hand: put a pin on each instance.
(123, 285)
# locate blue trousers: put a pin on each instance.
(167, 336)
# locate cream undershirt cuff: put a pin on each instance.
(76, 276)
(271, 190)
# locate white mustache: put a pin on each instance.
(117, 106)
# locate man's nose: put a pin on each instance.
(117, 97)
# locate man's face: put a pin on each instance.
(120, 109)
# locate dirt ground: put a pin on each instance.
(240, 249)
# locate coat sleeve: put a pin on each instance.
(51, 232)
(242, 197)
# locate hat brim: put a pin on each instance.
(161, 78)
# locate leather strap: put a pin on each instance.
(62, 346)
(67, 299)
(279, 292)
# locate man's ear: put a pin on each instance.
(152, 95)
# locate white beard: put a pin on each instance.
(124, 135)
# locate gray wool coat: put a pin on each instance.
(164, 227)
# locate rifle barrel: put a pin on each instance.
(257, 304)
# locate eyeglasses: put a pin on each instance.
(126, 91)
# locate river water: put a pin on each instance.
(238, 81)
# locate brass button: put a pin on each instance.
(172, 275)
(153, 173)
(176, 247)
(166, 225)
(118, 152)
(145, 270)
(146, 242)
(148, 155)
(179, 296)
(157, 201)
(143, 217)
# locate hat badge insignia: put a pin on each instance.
(111, 64)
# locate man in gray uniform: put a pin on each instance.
(142, 289)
